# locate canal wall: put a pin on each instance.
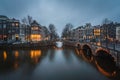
(69, 43)
(28, 45)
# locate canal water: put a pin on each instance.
(53, 63)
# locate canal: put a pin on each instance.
(49, 64)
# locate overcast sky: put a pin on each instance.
(60, 12)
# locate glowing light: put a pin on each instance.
(99, 44)
(36, 37)
(5, 55)
(16, 54)
(17, 24)
(16, 35)
(97, 32)
(35, 28)
(35, 53)
(16, 65)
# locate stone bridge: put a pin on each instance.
(91, 49)
(99, 51)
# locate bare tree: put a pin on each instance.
(46, 31)
(106, 21)
(24, 21)
(27, 20)
(67, 31)
(30, 20)
(53, 33)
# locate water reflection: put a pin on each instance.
(51, 64)
(5, 55)
(16, 54)
(12, 60)
(35, 53)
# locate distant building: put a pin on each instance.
(109, 31)
(80, 34)
(9, 29)
(88, 33)
(118, 33)
(36, 32)
(97, 33)
(83, 34)
(23, 32)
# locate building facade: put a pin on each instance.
(97, 33)
(36, 32)
(109, 31)
(80, 34)
(88, 33)
(9, 29)
(83, 34)
(118, 33)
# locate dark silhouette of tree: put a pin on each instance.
(67, 31)
(46, 31)
(53, 33)
(30, 20)
(24, 21)
(106, 21)
(27, 20)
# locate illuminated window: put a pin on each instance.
(35, 37)
(97, 32)
(35, 28)
(16, 24)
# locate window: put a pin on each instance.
(4, 25)
(13, 24)
(35, 28)
(16, 24)
(97, 32)
(36, 37)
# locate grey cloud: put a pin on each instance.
(60, 12)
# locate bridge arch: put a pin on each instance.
(105, 60)
(104, 54)
(102, 51)
(78, 45)
(87, 51)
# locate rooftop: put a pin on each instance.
(2, 17)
